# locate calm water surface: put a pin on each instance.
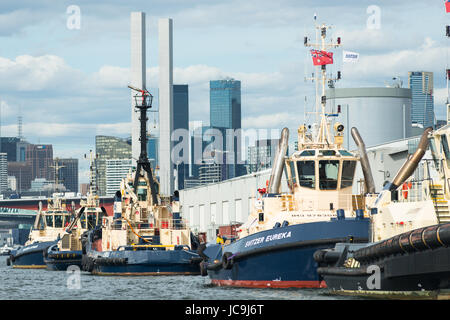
(36, 284)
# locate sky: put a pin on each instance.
(70, 84)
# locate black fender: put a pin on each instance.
(227, 261)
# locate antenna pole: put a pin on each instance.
(143, 162)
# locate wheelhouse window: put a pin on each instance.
(434, 153)
(142, 194)
(91, 223)
(345, 153)
(308, 153)
(328, 174)
(49, 220)
(327, 152)
(289, 171)
(307, 174)
(348, 171)
(445, 148)
(59, 218)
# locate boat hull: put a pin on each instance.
(30, 256)
(140, 261)
(412, 264)
(281, 257)
(145, 262)
(61, 260)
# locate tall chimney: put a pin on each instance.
(165, 107)
(137, 74)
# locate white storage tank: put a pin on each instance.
(380, 114)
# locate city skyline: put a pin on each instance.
(72, 84)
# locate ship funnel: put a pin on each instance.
(365, 165)
(38, 216)
(411, 163)
(278, 165)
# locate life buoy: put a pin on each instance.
(406, 186)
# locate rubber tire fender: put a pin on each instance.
(203, 268)
(226, 262)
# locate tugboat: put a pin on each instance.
(409, 255)
(146, 235)
(47, 230)
(67, 251)
(275, 247)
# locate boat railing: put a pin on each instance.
(414, 190)
(315, 202)
(173, 224)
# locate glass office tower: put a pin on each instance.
(422, 109)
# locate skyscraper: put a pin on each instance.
(181, 121)
(3, 171)
(22, 172)
(9, 146)
(152, 150)
(116, 170)
(68, 173)
(107, 147)
(421, 85)
(40, 158)
(225, 103)
(225, 115)
(261, 155)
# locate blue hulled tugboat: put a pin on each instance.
(275, 247)
(146, 235)
(47, 230)
(67, 251)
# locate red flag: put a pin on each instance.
(447, 6)
(321, 57)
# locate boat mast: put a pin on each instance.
(319, 47)
(143, 103)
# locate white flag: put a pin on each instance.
(350, 56)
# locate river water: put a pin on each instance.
(40, 284)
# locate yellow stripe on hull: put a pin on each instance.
(408, 295)
(29, 267)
